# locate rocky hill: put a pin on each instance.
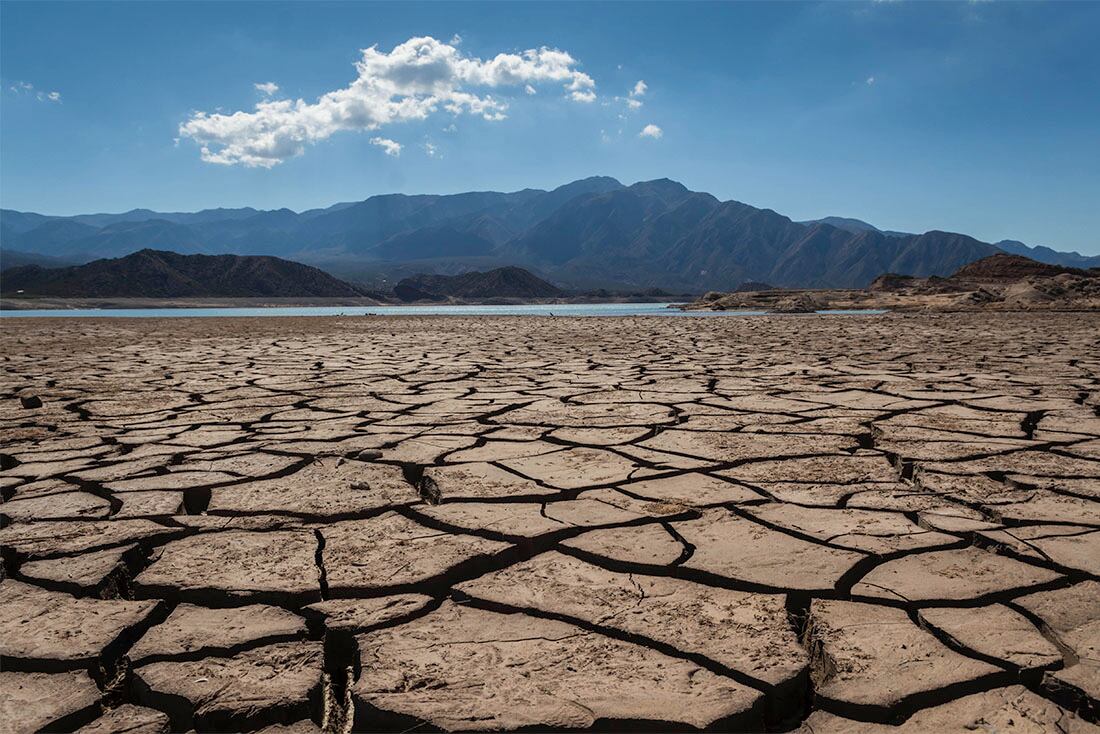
(999, 282)
(1003, 267)
(508, 282)
(589, 234)
(155, 274)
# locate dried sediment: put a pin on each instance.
(839, 524)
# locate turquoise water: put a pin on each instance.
(565, 309)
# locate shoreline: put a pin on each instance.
(50, 303)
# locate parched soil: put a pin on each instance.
(813, 523)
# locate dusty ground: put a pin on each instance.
(827, 523)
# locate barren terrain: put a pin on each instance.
(833, 524)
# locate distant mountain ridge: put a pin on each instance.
(154, 274)
(591, 233)
(1013, 247)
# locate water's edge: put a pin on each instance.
(542, 309)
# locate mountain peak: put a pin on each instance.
(664, 185)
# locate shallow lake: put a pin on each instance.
(541, 309)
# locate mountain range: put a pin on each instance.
(592, 233)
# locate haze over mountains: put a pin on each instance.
(591, 233)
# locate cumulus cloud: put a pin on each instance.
(411, 82)
(391, 147)
(639, 89)
(267, 88)
(870, 81)
(651, 131)
(432, 151)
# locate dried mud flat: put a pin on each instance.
(828, 524)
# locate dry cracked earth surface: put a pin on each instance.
(817, 524)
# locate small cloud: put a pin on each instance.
(27, 88)
(432, 151)
(456, 39)
(452, 128)
(631, 99)
(604, 137)
(267, 88)
(870, 81)
(529, 89)
(391, 147)
(651, 131)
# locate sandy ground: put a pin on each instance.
(828, 524)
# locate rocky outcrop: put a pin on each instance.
(999, 282)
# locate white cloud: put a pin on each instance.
(410, 82)
(432, 151)
(266, 88)
(870, 81)
(631, 99)
(391, 147)
(530, 90)
(27, 88)
(651, 131)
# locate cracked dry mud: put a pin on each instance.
(819, 524)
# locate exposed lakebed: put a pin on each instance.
(543, 524)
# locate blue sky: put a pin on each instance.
(979, 117)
